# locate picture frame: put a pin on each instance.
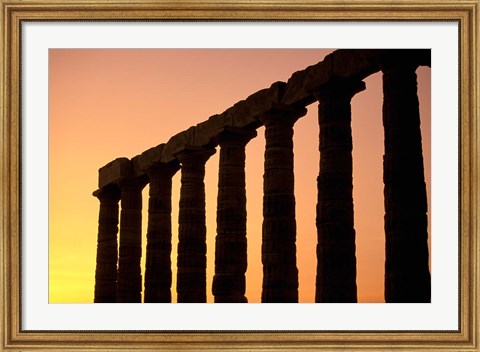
(14, 13)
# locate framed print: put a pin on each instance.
(244, 176)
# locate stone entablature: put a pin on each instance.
(297, 91)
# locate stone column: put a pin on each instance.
(231, 240)
(158, 268)
(407, 276)
(336, 261)
(280, 273)
(192, 247)
(107, 255)
(129, 282)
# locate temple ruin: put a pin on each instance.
(332, 82)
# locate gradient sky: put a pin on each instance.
(105, 104)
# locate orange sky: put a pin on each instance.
(105, 104)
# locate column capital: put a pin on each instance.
(236, 135)
(110, 192)
(282, 113)
(338, 87)
(195, 154)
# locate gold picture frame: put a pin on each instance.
(13, 13)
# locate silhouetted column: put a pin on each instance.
(192, 247)
(107, 255)
(336, 261)
(158, 267)
(129, 282)
(231, 240)
(280, 273)
(407, 276)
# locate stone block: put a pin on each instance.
(177, 143)
(294, 92)
(238, 115)
(114, 171)
(421, 57)
(244, 113)
(357, 64)
(207, 132)
(262, 101)
(142, 162)
(297, 90)
(319, 74)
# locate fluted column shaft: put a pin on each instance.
(158, 267)
(192, 247)
(107, 254)
(280, 273)
(407, 276)
(129, 282)
(231, 240)
(336, 261)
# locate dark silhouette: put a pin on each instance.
(333, 82)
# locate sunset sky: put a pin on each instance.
(105, 104)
